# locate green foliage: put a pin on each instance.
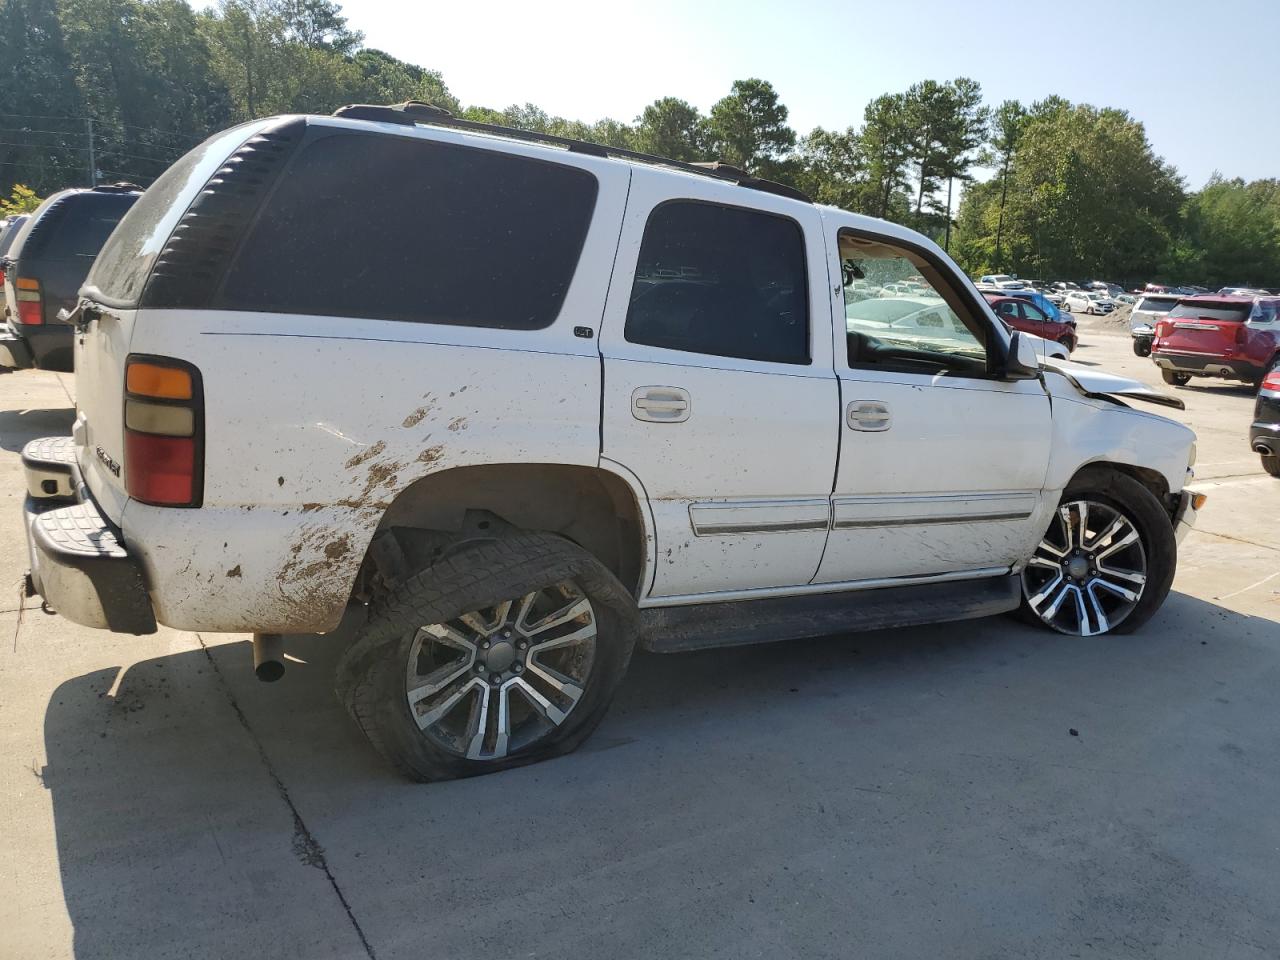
(1076, 190)
(21, 199)
(748, 128)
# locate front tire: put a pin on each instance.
(1142, 346)
(1173, 378)
(1107, 561)
(504, 653)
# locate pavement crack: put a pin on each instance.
(305, 846)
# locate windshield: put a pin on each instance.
(1194, 310)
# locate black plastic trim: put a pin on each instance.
(741, 622)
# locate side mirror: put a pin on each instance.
(1022, 362)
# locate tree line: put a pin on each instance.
(118, 89)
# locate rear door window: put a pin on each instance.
(722, 281)
(415, 230)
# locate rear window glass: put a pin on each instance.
(80, 226)
(1211, 311)
(1156, 304)
(404, 229)
(121, 270)
(10, 233)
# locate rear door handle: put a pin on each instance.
(661, 404)
(870, 416)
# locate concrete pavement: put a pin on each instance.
(912, 793)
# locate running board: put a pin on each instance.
(736, 623)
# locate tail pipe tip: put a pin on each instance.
(268, 656)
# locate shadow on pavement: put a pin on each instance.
(19, 426)
(964, 790)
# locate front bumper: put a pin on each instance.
(80, 564)
(1206, 366)
(1190, 503)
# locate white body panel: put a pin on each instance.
(759, 444)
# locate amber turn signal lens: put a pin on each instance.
(26, 283)
(151, 380)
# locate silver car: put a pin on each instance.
(1150, 308)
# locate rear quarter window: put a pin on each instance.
(394, 228)
(121, 270)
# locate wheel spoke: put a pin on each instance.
(1117, 589)
(1133, 576)
(1082, 532)
(1116, 526)
(436, 681)
(1129, 538)
(1044, 563)
(576, 608)
(448, 636)
(1054, 607)
(557, 680)
(1099, 616)
(1035, 601)
(540, 703)
(479, 725)
(576, 636)
(438, 713)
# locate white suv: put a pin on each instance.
(528, 402)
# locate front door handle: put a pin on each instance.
(661, 404)
(870, 416)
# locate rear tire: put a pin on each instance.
(1271, 465)
(1106, 567)
(1142, 346)
(505, 653)
(1174, 378)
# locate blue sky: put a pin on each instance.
(1202, 76)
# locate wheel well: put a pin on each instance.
(1153, 480)
(591, 507)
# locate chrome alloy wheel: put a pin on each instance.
(1089, 571)
(494, 681)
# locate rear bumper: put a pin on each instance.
(1205, 366)
(50, 345)
(1264, 438)
(1190, 502)
(79, 562)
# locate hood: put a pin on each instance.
(1096, 383)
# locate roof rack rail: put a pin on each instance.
(415, 112)
(120, 186)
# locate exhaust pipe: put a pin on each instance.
(268, 657)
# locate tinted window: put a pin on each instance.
(1211, 311)
(722, 281)
(1156, 304)
(121, 269)
(1032, 312)
(404, 229)
(77, 226)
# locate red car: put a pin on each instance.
(1023, 315)
(1233, 338)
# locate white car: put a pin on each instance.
(1087, 302)
(1001, 281)
(555, 405)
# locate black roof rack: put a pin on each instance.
(415, 111)
(122, 186)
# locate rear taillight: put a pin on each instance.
(30, 303)
(1, 276)
(163, 431)
(1272, 381)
